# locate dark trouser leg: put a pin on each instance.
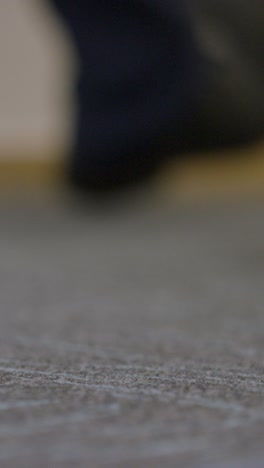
(139, 69)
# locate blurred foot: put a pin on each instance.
(227, 113)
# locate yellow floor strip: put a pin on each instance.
(236, 173)
(218, 175)
(22, 173)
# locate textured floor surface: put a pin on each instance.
(131, 337)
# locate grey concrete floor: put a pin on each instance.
(131, 336)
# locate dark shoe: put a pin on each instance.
(227, 113)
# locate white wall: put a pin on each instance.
(36, 71)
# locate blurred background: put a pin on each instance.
(38, 66)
